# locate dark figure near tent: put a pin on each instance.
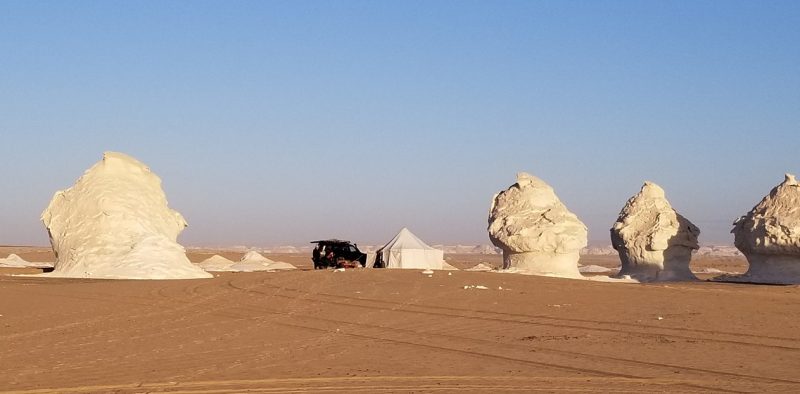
(379, 263)
(335, 253)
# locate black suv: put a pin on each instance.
(337, 254)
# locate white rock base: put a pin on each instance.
(658, 265)
(563, 265)
(769, 268)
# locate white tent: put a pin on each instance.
(405, 250)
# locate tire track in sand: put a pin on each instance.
(411, 337)
(605, 326)
(468, 383)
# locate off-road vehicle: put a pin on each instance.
(336, 253)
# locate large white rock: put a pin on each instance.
(769, 236)
(654, 242)
(536, 232)
(115, 224)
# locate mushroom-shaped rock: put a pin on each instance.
(536, 232)
(769, 236)
(114, 223)
(654, 242)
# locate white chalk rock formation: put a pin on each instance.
(216, 263)
(253, 261)
(593, 269)
(114, 223)
(14, 261)
(537, 233)
(654, 242)
(769, 236)
(480, 267)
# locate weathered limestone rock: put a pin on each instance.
(654, 242)
(115, 224)
(14, 261)
(537, 233)
(769, 236)
(215, 263)
(253, 261)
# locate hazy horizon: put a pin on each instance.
(277, 123)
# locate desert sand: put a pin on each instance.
(395, 331)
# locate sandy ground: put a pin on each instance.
(395, 331)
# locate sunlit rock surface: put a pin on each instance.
(114, 223)
(769, 236)
(654, 242)
(254, 261)
(537, 233)
(215, 263)
(14, 261)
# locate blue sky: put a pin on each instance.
(277, 122)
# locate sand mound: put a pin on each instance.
(711, 271)
(447, 267)
(253, 261)
(14, 261)
(480, 267)
(216, 263)
(654, 242)
(536, 231)
(114, 223)
(594, 269)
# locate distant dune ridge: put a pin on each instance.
(114, 223)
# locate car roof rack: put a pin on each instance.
(331, 241)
